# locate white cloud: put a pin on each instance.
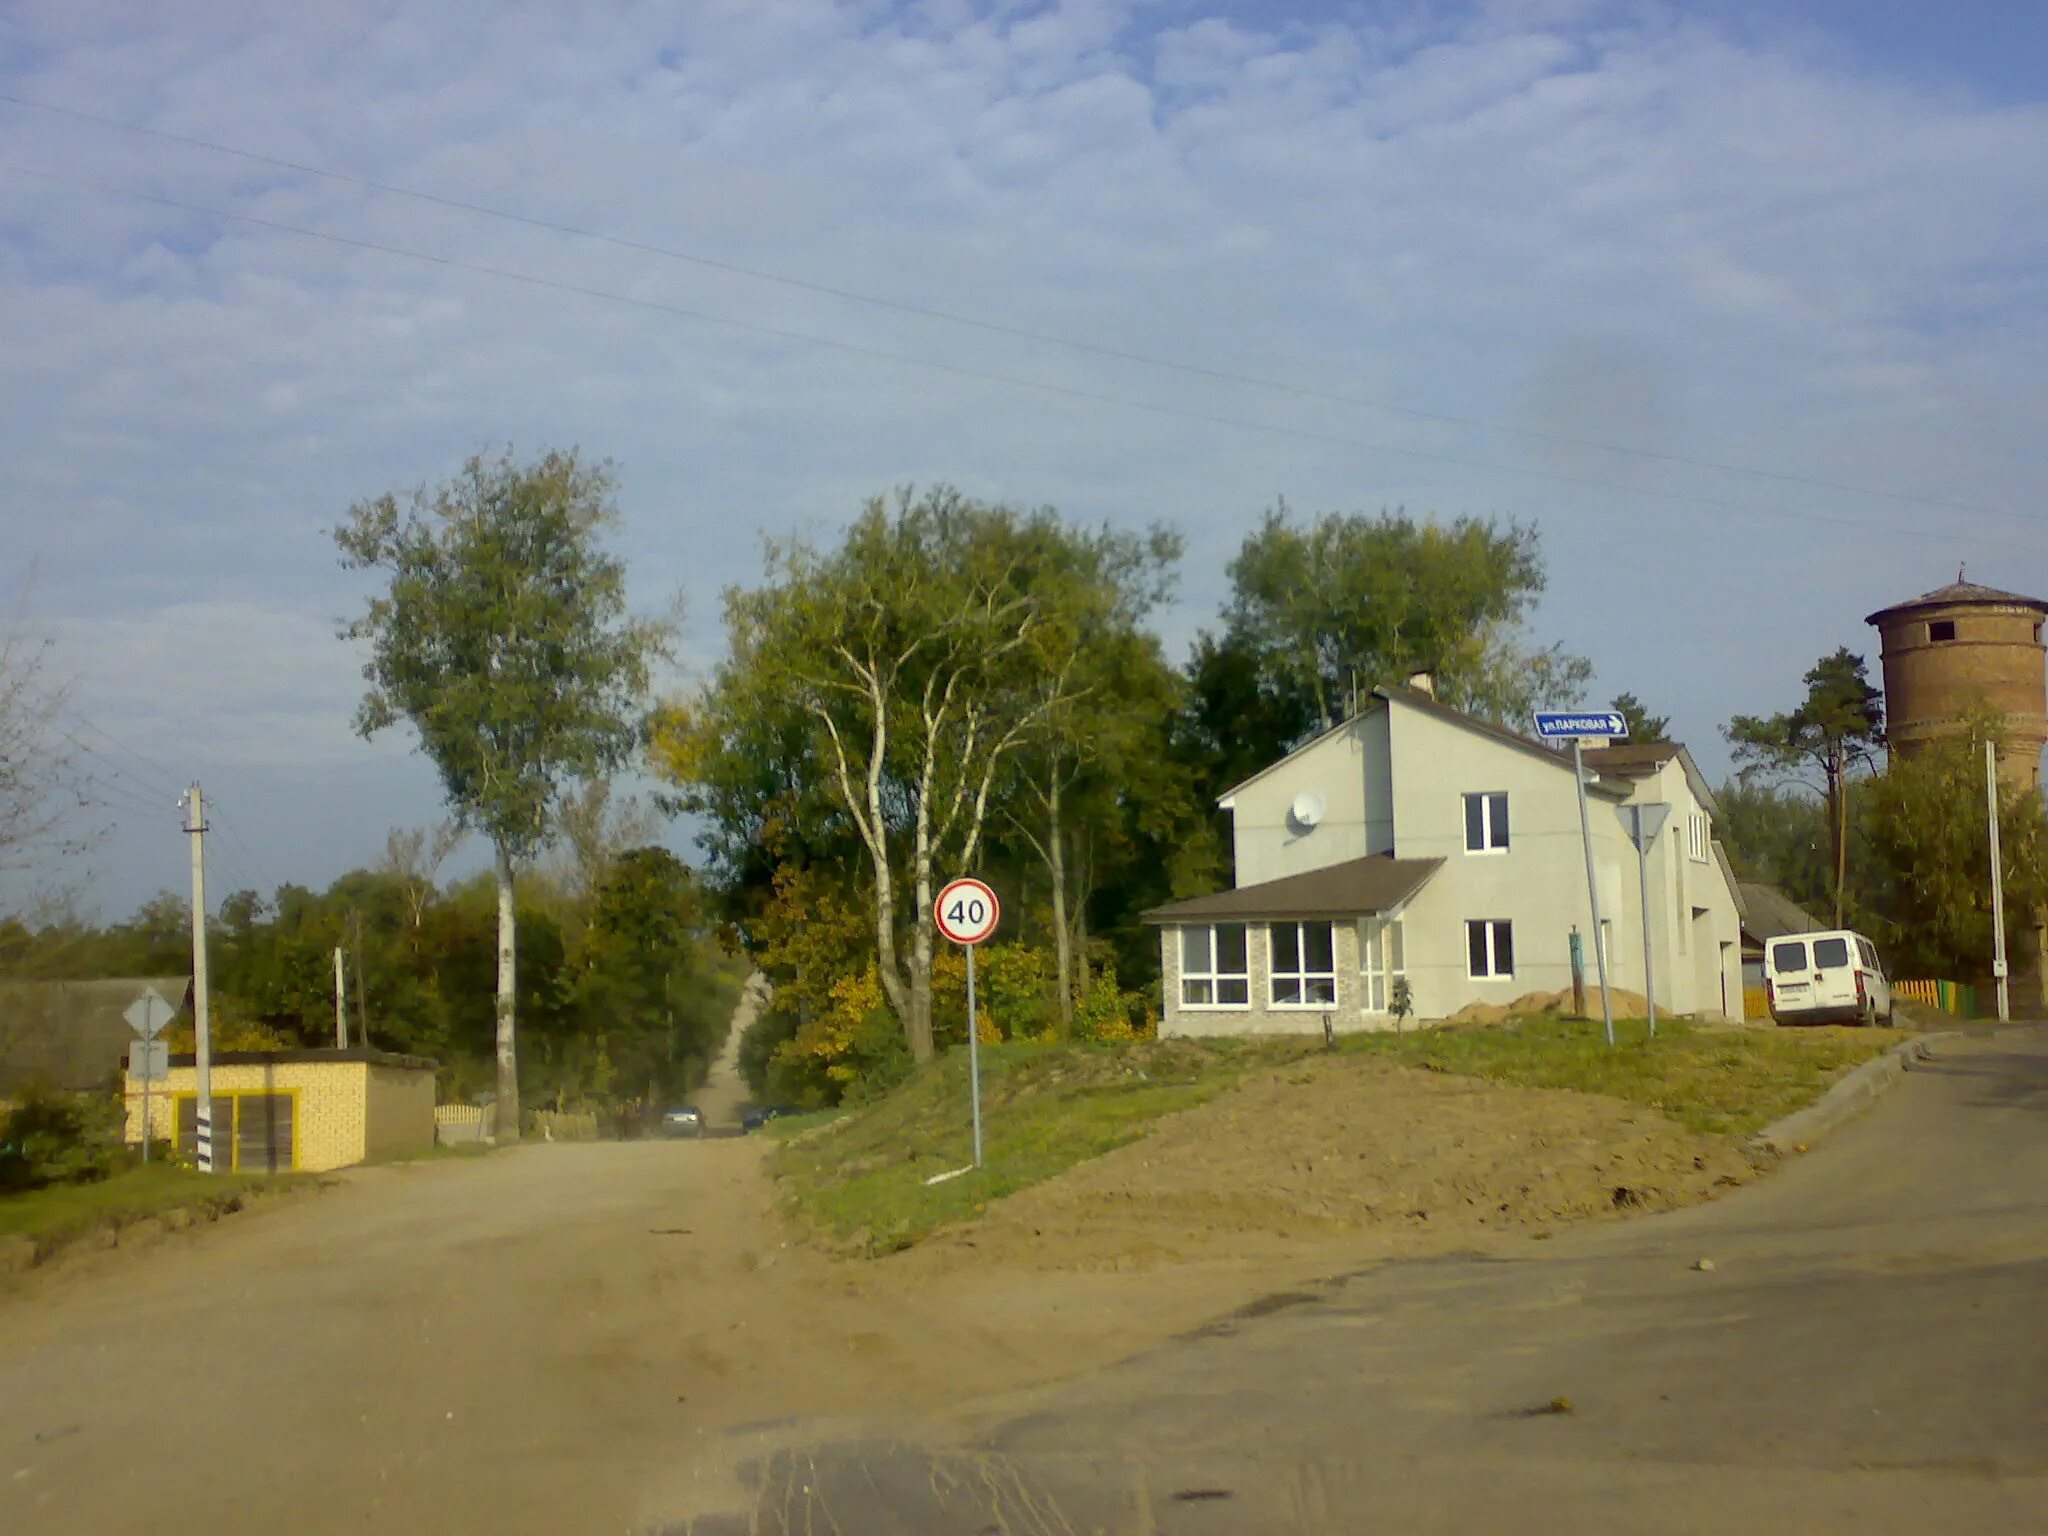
(1589, 220)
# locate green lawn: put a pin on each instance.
(59, 1215)
(859, 1177)
(1717, 1080)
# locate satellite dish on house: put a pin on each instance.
(1307, 809)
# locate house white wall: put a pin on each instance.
(1538, 883)
(1394, 781)
(1348, 768)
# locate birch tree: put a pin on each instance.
(1107, 695)
(910, 658)
(503, 638)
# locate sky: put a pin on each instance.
(1741, 304)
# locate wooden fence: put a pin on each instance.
(1948, 996)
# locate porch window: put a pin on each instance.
(1383, 960)
(1304, 973)
(1213, 968)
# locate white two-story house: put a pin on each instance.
(1416, 841)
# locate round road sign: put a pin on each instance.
(967, 911)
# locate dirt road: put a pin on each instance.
(553, 1338)
(600, 1336)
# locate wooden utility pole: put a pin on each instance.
(340, 1003)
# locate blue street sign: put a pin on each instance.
(1559, 725)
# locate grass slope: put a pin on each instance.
(55, 1217)
(860, 1177)
(1720, 1081)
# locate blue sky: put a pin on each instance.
(1804, 240)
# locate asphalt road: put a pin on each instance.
(1867, 1351)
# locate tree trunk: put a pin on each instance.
(917, 1024)
(1062, 936)
(508, 1039)
(1840, 785)
(1081, 916)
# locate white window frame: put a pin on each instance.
(1696, 839)
(1213, 975)
(1380, 963)
(1487, 845)
(1303, 975)
(1492, 925)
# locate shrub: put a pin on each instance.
(59, 1138)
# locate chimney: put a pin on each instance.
(1423, 682)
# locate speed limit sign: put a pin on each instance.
(967, 911)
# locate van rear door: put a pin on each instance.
(1834, 973)
(1791, 980)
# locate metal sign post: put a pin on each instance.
(1998, 965)
(149, 1060)
(967, 913)
(1603, 726)
(1644, 823)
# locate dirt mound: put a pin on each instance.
(1627, 1005)
(1393, 1159)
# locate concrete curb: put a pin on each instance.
(1848, 1098)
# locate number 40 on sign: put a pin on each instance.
(967, 911)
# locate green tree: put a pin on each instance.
(1107, 696)
(1344, 604)
(1833, 735)
(907, 664)
(1777, 837)
(1928, 888)
(1642, 725)
(503, 637)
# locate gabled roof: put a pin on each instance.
(1640, 759)
(70, 1034)
(1956, 594)
(1768, 912)
(1354, 888)
(1428, 704)
(1633, 759)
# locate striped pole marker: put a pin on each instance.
(203, 1138)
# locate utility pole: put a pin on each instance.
(355, 922)
(195, 827)
(1998, 967)
(340, 1003)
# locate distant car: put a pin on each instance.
(685, 1120)
(754, 1119)
(1834, 976)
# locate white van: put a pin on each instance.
(1827, 977)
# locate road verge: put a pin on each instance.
(1856, 1091)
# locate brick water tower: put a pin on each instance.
(1954, 650)
(1959, 648)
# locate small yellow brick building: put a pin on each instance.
(286, 1111)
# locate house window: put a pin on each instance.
(1939, 630)
(1486, 823)
(1697, 843)
(1383, 960)
(1304, 964)
(1489, 948)
(1213, 970)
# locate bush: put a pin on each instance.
(59, 1138)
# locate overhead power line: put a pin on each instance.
(1208, 418)
(996, 327)
(152, 783)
